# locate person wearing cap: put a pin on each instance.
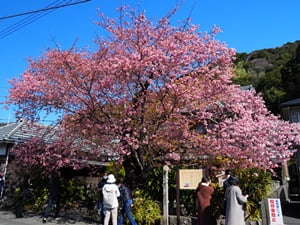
(110, 193)
(235, 203)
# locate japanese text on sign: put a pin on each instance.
(275, 213)
(190, 178)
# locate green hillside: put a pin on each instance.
(274, 72)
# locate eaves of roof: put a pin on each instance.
(23, 131)
(294, 102)
(18, 132)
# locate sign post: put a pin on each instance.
(186, 179)
(165, 195)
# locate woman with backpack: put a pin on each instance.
(110, 193)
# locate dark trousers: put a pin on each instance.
(101, 209)
(21, 202)
(51, 200)
(126, 210)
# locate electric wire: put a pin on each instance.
(27, 20)
(35, 15)
(44, 9)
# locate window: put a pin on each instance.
(2, 149)
(294, 116)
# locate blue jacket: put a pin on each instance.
(125, 193)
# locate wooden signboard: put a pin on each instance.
(190, 178)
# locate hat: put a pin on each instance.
(228, 172)
(233, 180)
(111, 178)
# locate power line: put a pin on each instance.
(27, 20)
(44, 9)
(35, 15)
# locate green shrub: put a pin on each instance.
(75, 193)
(38, 199)
(145, 210)
(257, 184)
(217, 200)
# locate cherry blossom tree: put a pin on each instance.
(151, 93)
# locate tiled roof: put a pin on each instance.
(294, 102)
(21, 131)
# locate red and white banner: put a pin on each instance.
(275, 212)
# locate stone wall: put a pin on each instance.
(193, 221)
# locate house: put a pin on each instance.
(10, 135)
(21, 131)
(290, 111)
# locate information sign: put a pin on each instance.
(275, 212)
(190, 178)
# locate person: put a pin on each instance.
(25, 191)
(235, 203)
(204, 194)
(100, 207)
(226, 179)
(126, 202)
(110, 193)
(225, 186)
(54, 195)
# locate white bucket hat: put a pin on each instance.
(111, 178)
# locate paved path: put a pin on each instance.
(8, 218)
(291, 214)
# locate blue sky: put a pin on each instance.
(246, 26)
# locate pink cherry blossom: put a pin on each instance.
(150, 91)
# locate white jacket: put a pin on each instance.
(110, 196)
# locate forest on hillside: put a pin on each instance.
(273, 72)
